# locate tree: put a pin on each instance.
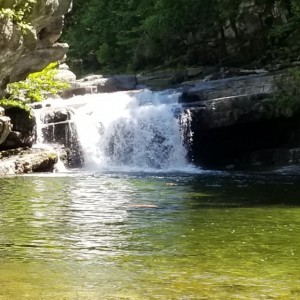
(116, 36)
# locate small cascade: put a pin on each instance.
(129, 131)
(187, 134)
(53, 133)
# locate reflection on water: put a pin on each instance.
(141, 236)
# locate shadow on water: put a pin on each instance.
(236, 189)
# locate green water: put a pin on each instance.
(150, 236)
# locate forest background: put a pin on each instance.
(116, 36)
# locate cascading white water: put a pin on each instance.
(41, 143)
(130, 131)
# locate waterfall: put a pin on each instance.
(130, 131)
(41, 140)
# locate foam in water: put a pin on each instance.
(131, 131)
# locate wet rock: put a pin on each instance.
(241, 121)
(99, 84)
(24, 160)
(78, 90)
(59, 129)
(57, 115)
(162, 80)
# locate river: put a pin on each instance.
(107, 235)
(139, 221)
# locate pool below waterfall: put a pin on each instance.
(150, 235)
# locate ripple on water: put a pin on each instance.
(149, 236)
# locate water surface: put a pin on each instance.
(111, 235)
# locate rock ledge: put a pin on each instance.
(25, 160)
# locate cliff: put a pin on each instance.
(29, 35)
(246, 121)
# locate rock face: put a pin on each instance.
(244, 122)
(30, 50)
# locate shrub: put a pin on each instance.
(36, 87)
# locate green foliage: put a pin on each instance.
(34, 88)
(138, 34)
(285, 37)
(8, 103)
(143, 34)
(17, 11)
(287, 99)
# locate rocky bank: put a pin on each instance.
(26, 49)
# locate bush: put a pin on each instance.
(36, 87)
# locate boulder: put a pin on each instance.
(65, 74)
(57, 115)
(30, 50)
(24, 160)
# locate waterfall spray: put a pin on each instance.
(131, 131)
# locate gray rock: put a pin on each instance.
(30, 51)
(98, 84)
(5, 128)
(78, 91)
(64, 74)
(161, 80)
(110, 84)
(56, 115)
(20, 161)
(237, 100)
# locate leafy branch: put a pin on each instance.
(18, 13)
(35, 88)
